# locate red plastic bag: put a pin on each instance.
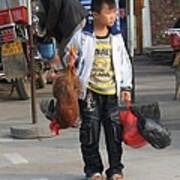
(54, 127)
(175, 41)
(131, 134)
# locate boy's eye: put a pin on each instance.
(112, 11)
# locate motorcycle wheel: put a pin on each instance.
(23, 87)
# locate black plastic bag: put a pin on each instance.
(149, 110)
(153, 131)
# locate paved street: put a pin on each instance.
(59, 158)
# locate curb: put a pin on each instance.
(30, 131)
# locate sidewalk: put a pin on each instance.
(156, 82)
(59, 158)
(153, 83)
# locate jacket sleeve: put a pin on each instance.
(75, 42)
(53, 14)
(126, 70)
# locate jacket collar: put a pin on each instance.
(113, 30)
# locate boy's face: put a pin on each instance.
(106, 16)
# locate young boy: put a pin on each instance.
(105, 73)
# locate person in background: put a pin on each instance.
(63, 19)
(105, 74)
(123, 21)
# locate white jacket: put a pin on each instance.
(84, 42)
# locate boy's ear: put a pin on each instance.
(95, 14)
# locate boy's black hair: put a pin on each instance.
(96, 5)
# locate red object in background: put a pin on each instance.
(19, 14)
(175, 41)
(54, 127)
(131, 134)
(7, 34)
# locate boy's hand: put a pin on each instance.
(126, 96)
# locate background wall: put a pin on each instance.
(163, 16)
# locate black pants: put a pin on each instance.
(95, 110)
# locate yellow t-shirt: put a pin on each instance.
(102, 79)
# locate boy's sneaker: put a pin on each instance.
(47, 107)
(96, 176)
(116, 177)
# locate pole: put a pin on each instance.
(139, 24)
(118, 17)
(131, 28)
(130, 18)
(32, 72)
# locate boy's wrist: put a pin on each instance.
(126, 89)
(126, 96)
